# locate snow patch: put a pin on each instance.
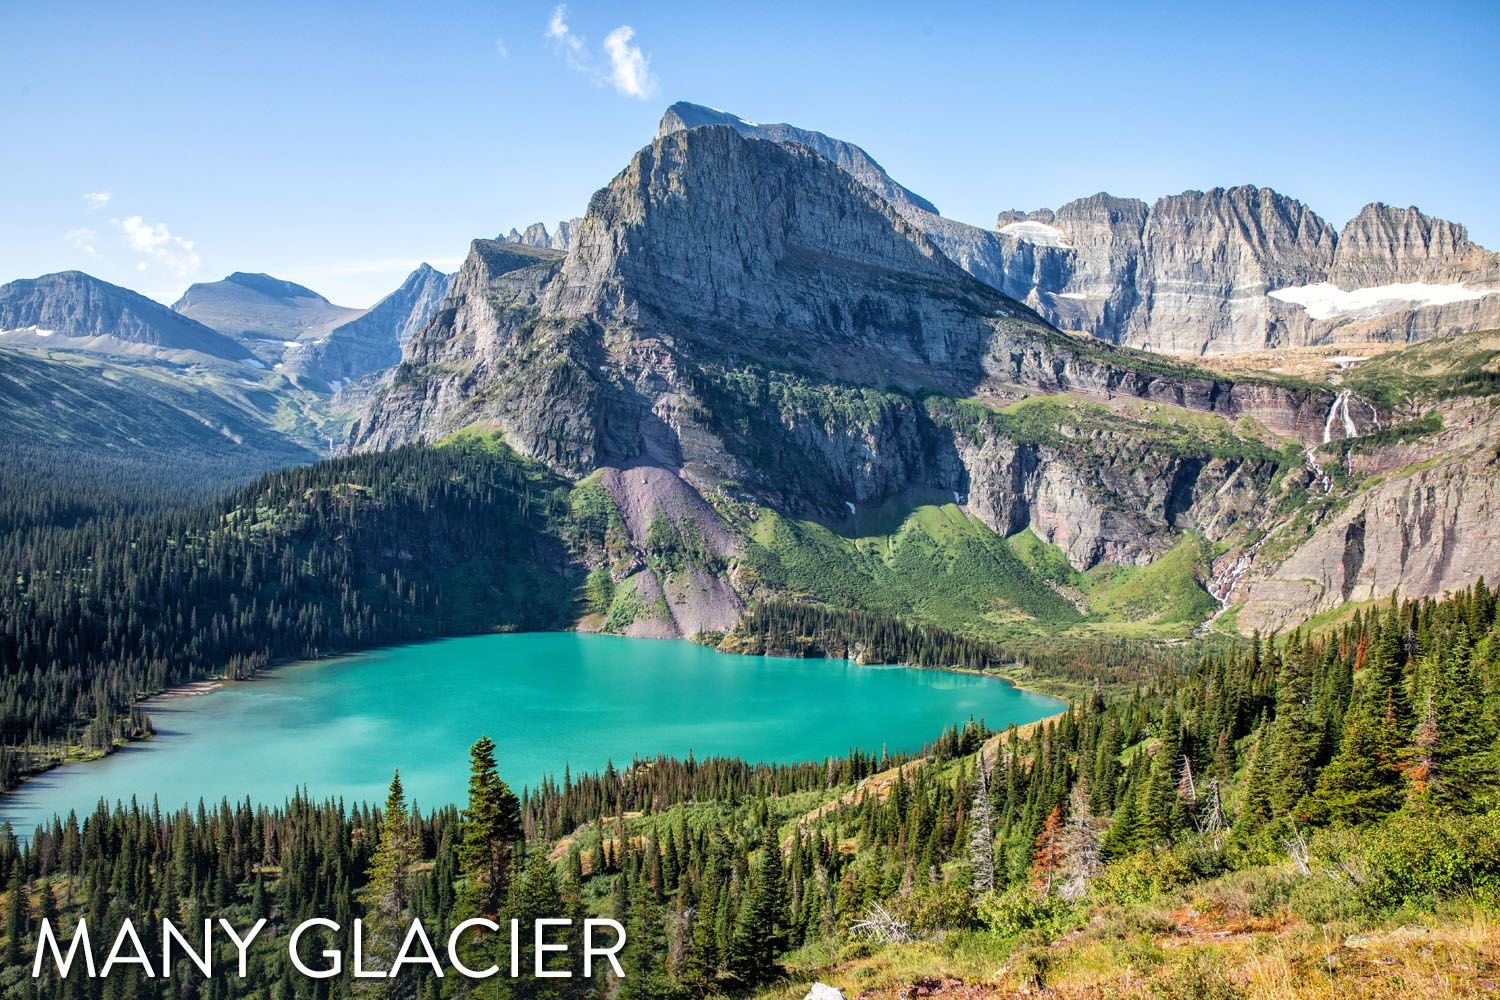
(1071, 295)
(1035, 232)
(1325, 300)
(252, 362)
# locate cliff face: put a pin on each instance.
(1210, 258)
(1429, 524)
(742, 319)
(372, 340)
(1196, 273)
(1385, 245)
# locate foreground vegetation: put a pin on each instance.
(1317, 815)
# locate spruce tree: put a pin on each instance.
(759, 932)
(387, 893)
(1363, 782)
(15, 917)
(491, 827)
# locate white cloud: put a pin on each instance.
(630, 68)
(95, 200)
(152, 239)
(83, 239)
(501, 48)
(623, 65)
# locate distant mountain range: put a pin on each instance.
(295, 329)
(247, 366)
(269, 316)
(75, 311)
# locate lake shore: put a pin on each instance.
(669, 698)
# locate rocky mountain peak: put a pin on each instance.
(1384, 244)
(536, 235)
(771, 247)
(276, 288)
(372, 340)
(848, 157)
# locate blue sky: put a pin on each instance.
(340, 146)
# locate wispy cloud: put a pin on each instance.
(630, 68)
(83, 239)
(95, 200)
(623, 65)
(502, 48)
(154, 241)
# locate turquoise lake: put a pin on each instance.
(339, 727)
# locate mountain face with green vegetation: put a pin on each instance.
(96, 611)
(1407, 508)
(775, 384)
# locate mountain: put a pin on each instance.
(373, 339)
(536, 235)
(1247, 268)
(75, 311)
(845, 155)
(272, 317)
(746, 348)
(1203, 272)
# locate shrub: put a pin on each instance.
(1196, 980)
(939, 906)
(1142, 876)
(1017, 911)
(1420, 859)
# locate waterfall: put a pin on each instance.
(1340, 405)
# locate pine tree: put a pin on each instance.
(1363, 782)
(759, 933)
(387, 894)
(1298, 736)
(491, 826)
(534, 895)
(15, 918)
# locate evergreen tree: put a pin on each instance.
(387, 893)
(15, 917)
(1363, 781)
(760, 930)
(491, 827)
